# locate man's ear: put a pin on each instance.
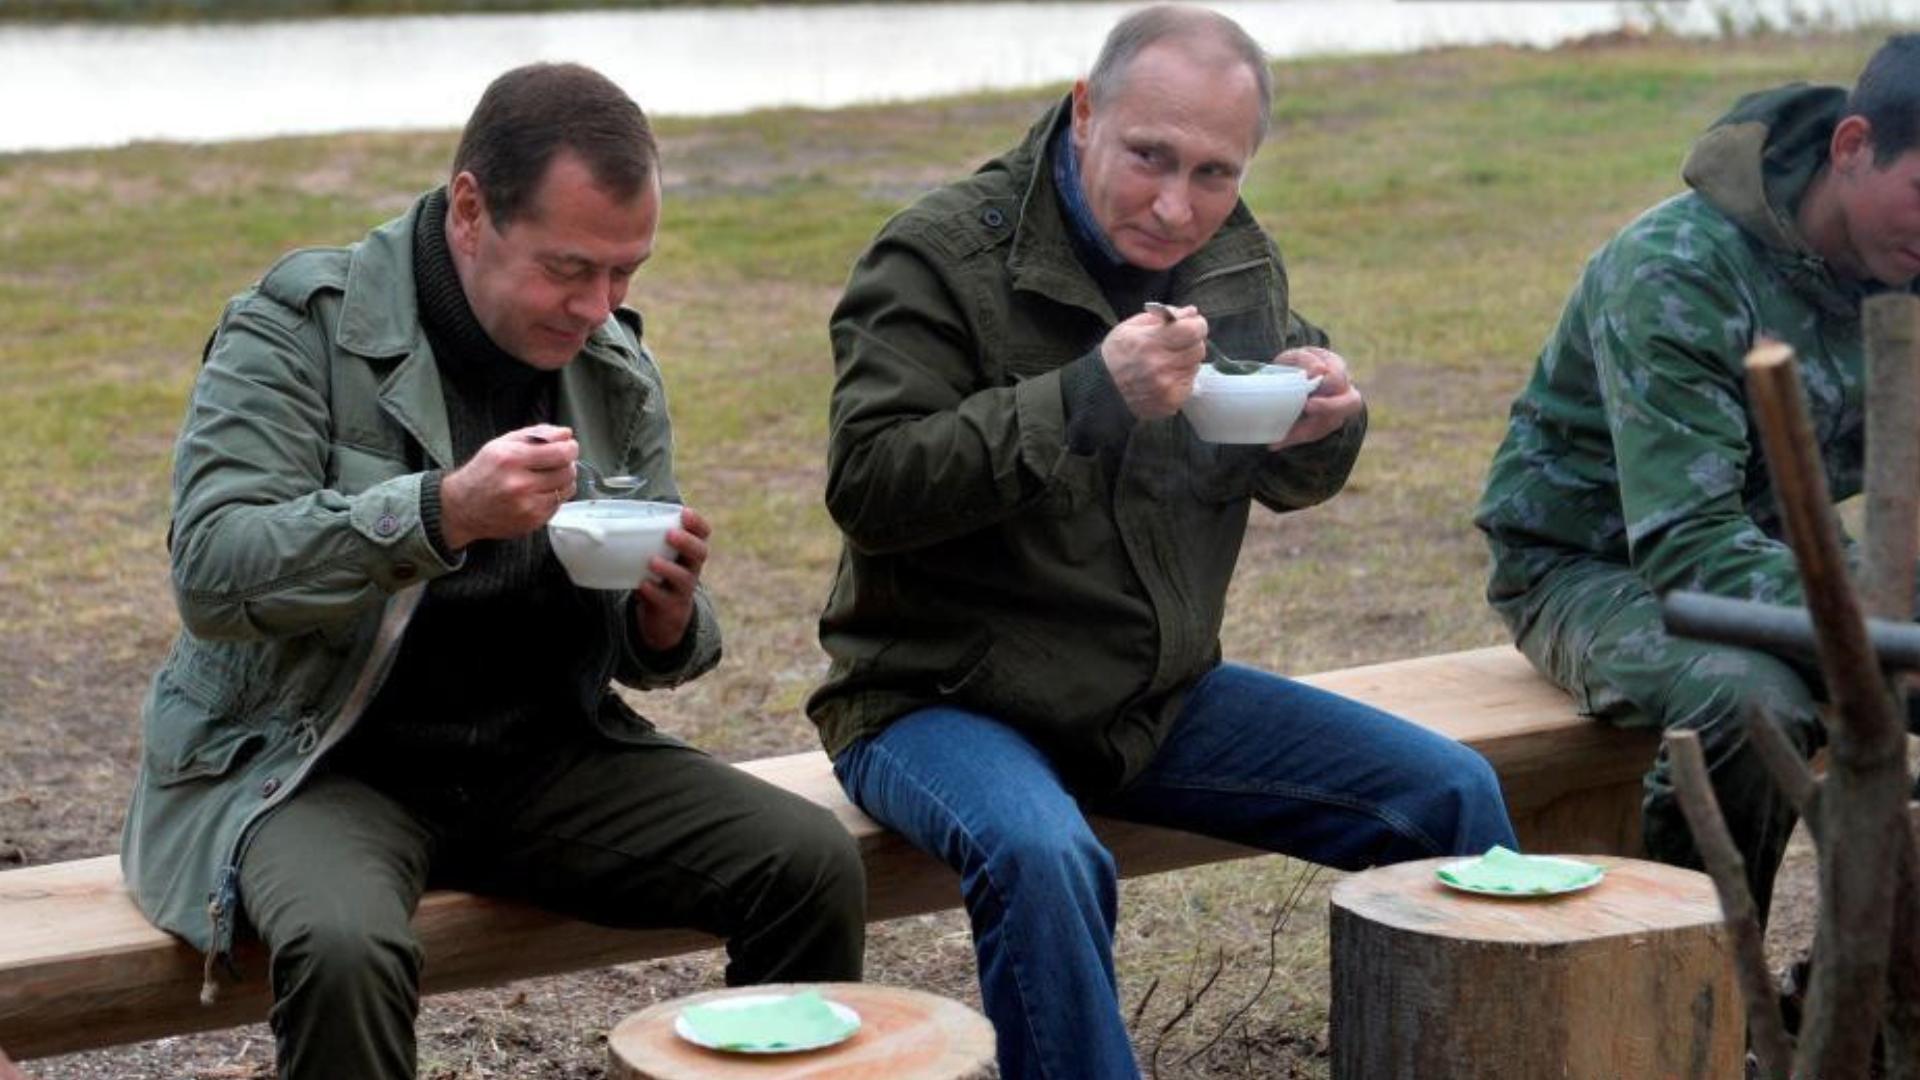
(1851, 146)
(1082, 112)
(466, 213)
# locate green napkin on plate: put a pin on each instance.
(1509, 872)
(794, 1020)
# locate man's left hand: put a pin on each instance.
(665, 607)
(1335, 401)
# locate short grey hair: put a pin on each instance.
(1177, 22)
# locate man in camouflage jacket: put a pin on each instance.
(1631, 464)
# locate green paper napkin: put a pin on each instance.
(801, 1019)
(1503, 871)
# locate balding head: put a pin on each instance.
(1209, 39)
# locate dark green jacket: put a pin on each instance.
(1074, 595)
(296, 524)
(1635, 443)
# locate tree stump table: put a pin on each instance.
(1630, 978)
(904, 1035)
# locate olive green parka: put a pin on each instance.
(296, 526)
(986, 563)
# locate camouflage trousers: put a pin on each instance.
(1594, 629)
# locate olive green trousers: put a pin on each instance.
(649, 835)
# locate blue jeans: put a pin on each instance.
(1254, 758)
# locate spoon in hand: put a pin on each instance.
(1169, 314)
(600, 486)
(610, 487)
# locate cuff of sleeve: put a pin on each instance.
(696, 653)
(388, 516)
(1097, 416)
(430, 514)
(661, 661)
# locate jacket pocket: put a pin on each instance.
(184, 740)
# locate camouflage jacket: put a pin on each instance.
(1635, 443)
(989, 564)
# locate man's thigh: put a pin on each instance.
(640, 835)
(1599, 635)
(1277, 764)
(339, 855)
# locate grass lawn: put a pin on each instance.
(1434, 210)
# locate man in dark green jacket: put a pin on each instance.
(1037, 546)
(1632, 464)
(385, 679)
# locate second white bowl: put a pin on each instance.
(1257, 407)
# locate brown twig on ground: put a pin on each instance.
(1280, 919)
(1866, 785)
(1728, 870)
(1186, 1008)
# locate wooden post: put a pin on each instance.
(1893, 454)
(1891, 322)
(1866, 790)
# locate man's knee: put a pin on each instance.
(1720, 694)
(818, 863)
(340, 957)
(1051, 863)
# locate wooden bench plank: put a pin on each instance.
(81, 968)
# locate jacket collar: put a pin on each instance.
(601, 391)
(1042, 259)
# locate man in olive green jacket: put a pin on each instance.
(385, 680)
(1631, 465)
(1037, 546)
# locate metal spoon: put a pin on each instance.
(610, 487)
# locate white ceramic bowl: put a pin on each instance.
(607, 543)
(1257, 407)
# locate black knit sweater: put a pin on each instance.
(490, 671)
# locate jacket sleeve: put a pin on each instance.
(923, 446)
(698, 652)
(261, 547)
(1667, 340)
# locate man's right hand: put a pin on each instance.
(510, 488)
(1153, 360)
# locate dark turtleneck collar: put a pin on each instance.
(460, 343)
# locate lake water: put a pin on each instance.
(74, 85)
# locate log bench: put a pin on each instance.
(81, 968)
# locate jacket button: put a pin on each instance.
(992, 218)
(404, 571)
(267, 789)
(387, 525)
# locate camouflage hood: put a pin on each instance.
(1755, 162)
